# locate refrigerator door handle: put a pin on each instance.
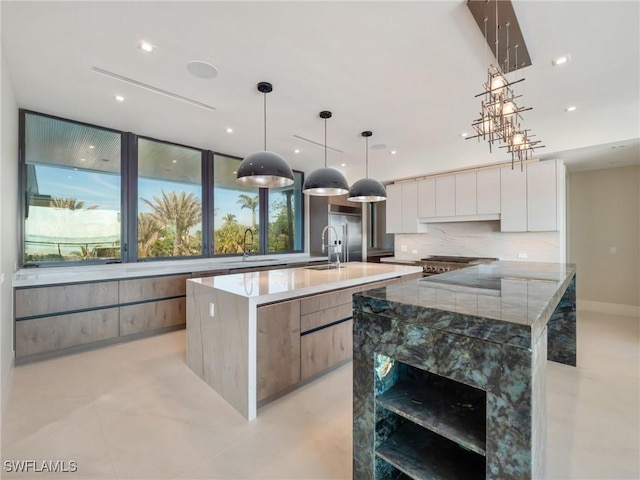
(345, 241)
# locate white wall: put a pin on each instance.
(604, 209)
(482, 239)
(8, 222)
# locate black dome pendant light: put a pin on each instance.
(367, 189)
(325, 181)
(265, 169)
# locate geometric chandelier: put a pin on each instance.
(500, 119)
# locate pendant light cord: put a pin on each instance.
(366, 156)
(264, 94)
(325, 143)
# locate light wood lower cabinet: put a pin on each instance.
(141, 289)
(325, 348)
(38, 301)
(147, 316)
(48, 334)
(278, 349)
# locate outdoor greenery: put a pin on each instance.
(165, 230)
(281, 227)
(69, 203)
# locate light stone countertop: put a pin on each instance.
(283, 284)
(27, 277)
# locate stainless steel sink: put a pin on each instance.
(326, 267)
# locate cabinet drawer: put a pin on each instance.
(327, 300)
(325, 317)
(325, 348)
(65, 298)
(141, 289)
(152, 315)
(278, 348)
(63, 331)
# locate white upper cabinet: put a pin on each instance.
(394, 208)
(466, 194)
(513, 199)
(542, 202)
(402, 208)
(531, 199)
(488, 191)
(427, 198)
(445, 196)
(410, 207)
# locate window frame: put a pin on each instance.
(129, 200)
(23, 193)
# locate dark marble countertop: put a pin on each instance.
(505, 302)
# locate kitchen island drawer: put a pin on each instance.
(323, 301)
(326, 348)
(324, 317)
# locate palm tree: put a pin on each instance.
(69, 203)
(177, 212)
(252, 204)
(230, 218)
(148, 232)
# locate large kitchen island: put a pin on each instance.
(255, 336)
(449, 371)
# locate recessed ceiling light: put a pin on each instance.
(464, 134)
(343, 164)
(297, 150)
(229, 130)
(572, 108)
(560, 60)
(174, 161)
(234, 171)
(202, 69)
(119, 98)
(393, 152)
(146, 46)
(92, 147)
(82, 159)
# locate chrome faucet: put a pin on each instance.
(245, 250)
(329, 246)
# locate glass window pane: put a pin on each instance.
(73, 191)
(285, 217)
(169, 200)
(236, 210)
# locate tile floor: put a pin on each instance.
(135, 411)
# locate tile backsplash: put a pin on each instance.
(481, 239)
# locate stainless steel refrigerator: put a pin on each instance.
(349, 228)
(348, 224)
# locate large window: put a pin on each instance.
(236, 210)
(285, 217)
(98, 195)
(72, 209)
(169, 222)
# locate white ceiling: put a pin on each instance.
(408, 71)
